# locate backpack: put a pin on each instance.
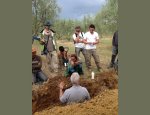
(76, 36)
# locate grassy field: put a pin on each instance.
(103, 50)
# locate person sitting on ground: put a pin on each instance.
(74, 65)
(37, 73)
(74, 94)
(63, 56)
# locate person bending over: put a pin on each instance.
(73, 66)
(63, 56)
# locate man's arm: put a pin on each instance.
(66, 55)
(85, 41)
(62, 95)
(97, 39)
(38, 65)
(75, 39)
(61, 86)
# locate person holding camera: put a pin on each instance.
(74, 65)
(47, 39)
(63, 56)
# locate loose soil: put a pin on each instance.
(105, 103)
(46, 96)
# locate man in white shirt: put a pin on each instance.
(91, 39)
(78, 38)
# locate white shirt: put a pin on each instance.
(52, 34)
(44, 32)
(91, 38)
(79, 45)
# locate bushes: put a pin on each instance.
(106, 20)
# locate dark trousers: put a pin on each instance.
(38, 77)
(114, 54)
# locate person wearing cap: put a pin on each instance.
(47, 39)
(114, 49)
(37, 73)
(78, 38)
(74, 65)
(76, 93)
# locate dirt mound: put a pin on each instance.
(105, 103)
(47, 95)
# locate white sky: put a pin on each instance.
(76, 9)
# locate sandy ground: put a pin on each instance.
(105, 103)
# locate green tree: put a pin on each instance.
(43, 10)
(107, 18)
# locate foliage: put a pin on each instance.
(43, 10)
(65, 28)
(105, 20)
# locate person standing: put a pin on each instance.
(49, 50)
(114, 49)
(91, 40)
(78, 38)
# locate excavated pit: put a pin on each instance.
(47, 95)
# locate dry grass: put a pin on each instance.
(103, 50)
